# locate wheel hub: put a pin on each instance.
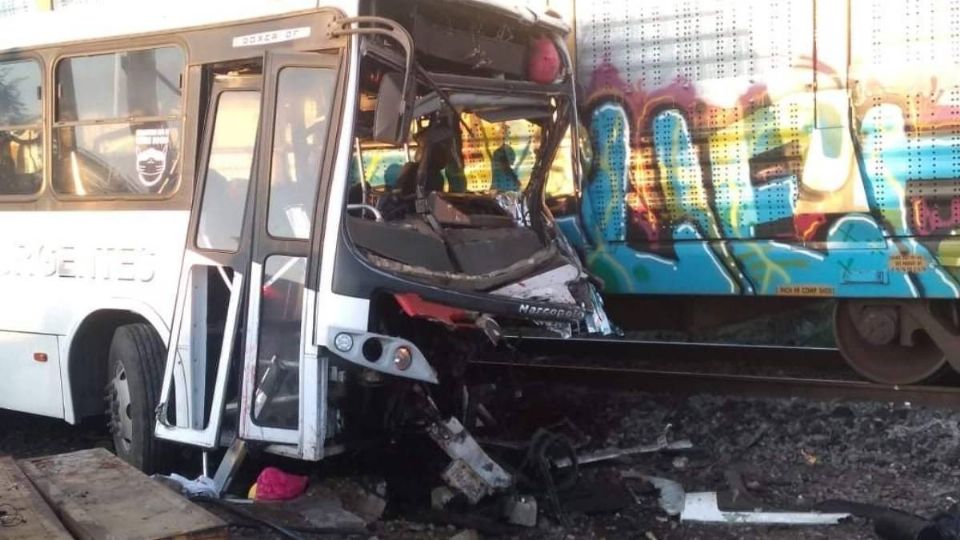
(121, 419)
(868, 336)
(878, 324)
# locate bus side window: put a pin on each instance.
(117, 124)
(21, 128)
(229, 170)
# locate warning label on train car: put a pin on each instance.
(805, 290)
(908, 263)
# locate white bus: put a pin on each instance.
(231, 220)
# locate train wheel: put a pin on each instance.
(868, 336)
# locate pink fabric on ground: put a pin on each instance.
(276, 485)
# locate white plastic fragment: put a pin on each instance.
(672, 496)
(671, 492)
(614, 453)
(703, 507)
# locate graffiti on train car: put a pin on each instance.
(729, 158)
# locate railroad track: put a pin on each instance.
(684, 368)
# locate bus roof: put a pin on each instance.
(523, 11)
(106, 19)
(119, 18)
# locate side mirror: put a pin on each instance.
(389, 118)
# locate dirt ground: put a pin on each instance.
(790, 454)
(26, 435)
(786, 453)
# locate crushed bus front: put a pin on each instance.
(395, 225)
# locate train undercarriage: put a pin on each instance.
(899, 341)
(885, 341)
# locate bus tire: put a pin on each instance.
(135, 373)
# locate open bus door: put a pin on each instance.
(245, 289)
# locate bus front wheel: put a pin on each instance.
(135, 365)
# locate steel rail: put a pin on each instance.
(676, 350)
(549, 367)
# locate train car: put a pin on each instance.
(743, 156)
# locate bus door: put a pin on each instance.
(207, 318)
(245, 292)
(282, 376)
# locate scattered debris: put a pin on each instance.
(899, 468)
(484, 524)
(565, 428)
(596, 497)
(892, 524)
(202, 485)
(322, 508)
(440, 496)
(738, 488)
(521, 510)
(466, 480)
(680, 462)
(317, 511)
(275, 485)
(363, 496)
(703, 507)
(472, 472)
(536, 471)
(617, 453)
(945, 526)
(671, 492)
(229, 466)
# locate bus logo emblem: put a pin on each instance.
(152, 147)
